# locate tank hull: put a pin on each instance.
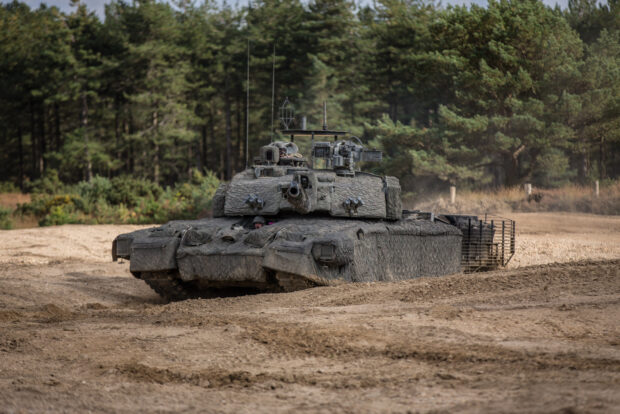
(289, 254)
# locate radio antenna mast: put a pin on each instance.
(247, 108)
(273, 86)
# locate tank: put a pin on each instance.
(290, 222)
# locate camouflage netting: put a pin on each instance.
(319, 226)
(226, 251)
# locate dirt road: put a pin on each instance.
(78, 333)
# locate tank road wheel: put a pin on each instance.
(168, 286)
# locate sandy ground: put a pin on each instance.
(78, 333)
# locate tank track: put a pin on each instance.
(288, 282)
(169, 287)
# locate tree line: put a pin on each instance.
(479, 96)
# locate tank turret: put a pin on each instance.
(282, 181)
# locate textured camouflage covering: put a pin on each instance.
(224, 252)
(278, 189)
(317, 227)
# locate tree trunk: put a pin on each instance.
(117, 130)
(42, 143)
(21, 157)
(131, 156)
(510, 171)
(227, 160)
(511, 166)
(602, 170)
(189, 161)
(33, 140)
(57, 126)
(128, 148)
(393, 109)
(497, 175)
(583, 168)
(89, 166)
(156, 149)
(214, 160)
(239, 146)
(203, 152)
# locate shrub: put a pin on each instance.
(121, 200)
(128, 191)
(99, 188)
(49, 183)
(42, 204)
(59, 215)
(8, 187)
(202, 195)
(6, 222)
(193, 199)
(151, 211)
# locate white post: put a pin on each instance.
(528, 189)
(596, 188)
(452, 194)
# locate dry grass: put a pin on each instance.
(571, 198)
(11, 200)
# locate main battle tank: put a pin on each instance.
(285, 224)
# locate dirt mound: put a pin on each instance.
(54, 313)
(10, 316)
(205, 379)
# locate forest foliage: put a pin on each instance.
(135, 104)
(119, 200)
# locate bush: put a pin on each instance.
(99, 188)
(8, 187)
(203, 193)
(42, 204)
(59, 215)
(49, 183)
(120, 200)
(191, 200)
(6, 222)
(128, 191)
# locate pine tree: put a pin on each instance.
(160, 97)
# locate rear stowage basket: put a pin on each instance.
(488, 241)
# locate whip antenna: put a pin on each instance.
(247, 109)
(273, 86)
